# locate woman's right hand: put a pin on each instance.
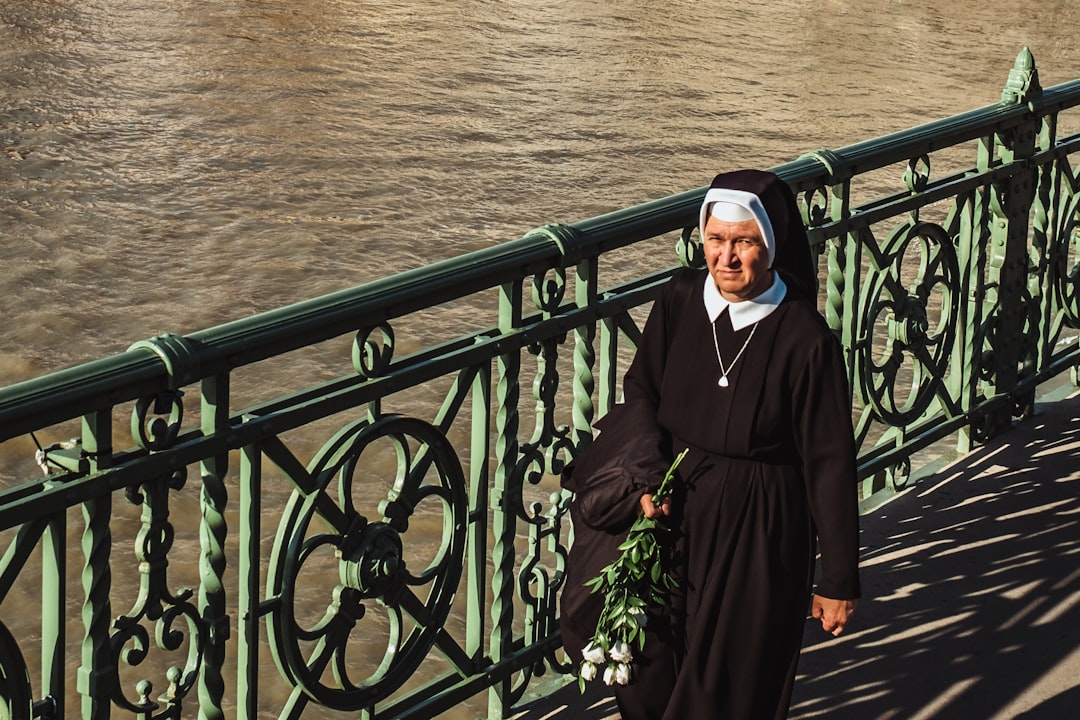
(653, 510)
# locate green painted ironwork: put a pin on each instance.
(418, 556)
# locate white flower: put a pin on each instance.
(588, 671)
(593, 653)
(617, 674)
(621, 653)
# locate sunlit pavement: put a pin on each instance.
(971, 596)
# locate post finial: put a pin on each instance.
(1023, 82)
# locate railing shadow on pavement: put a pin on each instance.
(971, 587)
(596, 703)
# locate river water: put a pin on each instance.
(170, 166)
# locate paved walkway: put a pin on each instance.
(971, 584)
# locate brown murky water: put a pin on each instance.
(169, 166)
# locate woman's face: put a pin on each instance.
(737, 259)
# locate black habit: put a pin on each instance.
(769, 477)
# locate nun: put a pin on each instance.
(737, 366)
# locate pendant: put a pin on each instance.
(723, 381)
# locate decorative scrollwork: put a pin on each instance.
(917, 174)
(538, 584)
(986, 359)
(372, 351)
(149, 426)
(907, 331)
(130, 644)
(548, 292)
(1067, 256)
(550, 442)
(816, 206)
(371, 561)
(688, 249)
(899, 475)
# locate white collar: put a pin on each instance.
(747, 312)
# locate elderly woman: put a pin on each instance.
(735, 364)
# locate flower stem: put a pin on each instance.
(669, 478)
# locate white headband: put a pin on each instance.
(738, 206)
(731, 212)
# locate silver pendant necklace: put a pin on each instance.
(723, 381)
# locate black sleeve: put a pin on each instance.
(826, 445)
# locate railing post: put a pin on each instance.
(1011, 201)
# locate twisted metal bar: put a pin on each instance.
(97, 675)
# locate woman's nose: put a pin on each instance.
(727, 255)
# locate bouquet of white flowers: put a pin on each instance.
(630, 584)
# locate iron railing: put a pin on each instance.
(415, 559)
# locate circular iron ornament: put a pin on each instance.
(149, 426)
(917, 174)
(899, 474)
(372, 351)
(1067, 255)
(371, 566)
(688, 249)
(548, 293)
(907, 332)
(816, 206)
(16, 694)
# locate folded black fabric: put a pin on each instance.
(630, 455)
(628, 458)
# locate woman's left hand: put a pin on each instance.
(834, 614)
